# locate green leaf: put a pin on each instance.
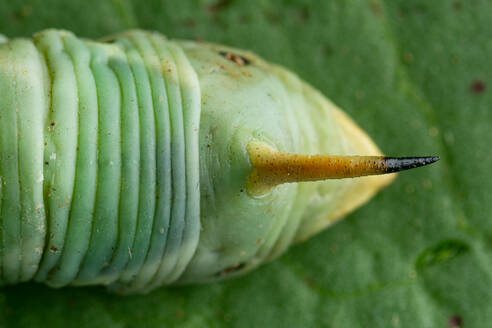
(415, 74)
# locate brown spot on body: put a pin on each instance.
(231, 269)
(238, 59)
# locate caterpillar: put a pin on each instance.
(137, 161)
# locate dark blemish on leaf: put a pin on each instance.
(220, 5)
(242, 190)
(188, 22)
(53, 123)
(455, 321)
(310, 282)
(231, 269)
(227, 317)
(245, 19)
(23, 13)
(402, 12)
(376, 7)
(327, 50)
(478, 86)
(418, 9)
(179, 314)
(457, 5)
(408, 57)
(304, 13)
(271, 16)
(238, 59)
(46, 163)
(53, 249)
(442, 252)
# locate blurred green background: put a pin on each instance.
(417, 76)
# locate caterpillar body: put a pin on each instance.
(138, 161)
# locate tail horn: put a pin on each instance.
(272, 168)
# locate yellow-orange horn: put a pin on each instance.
(272, 168)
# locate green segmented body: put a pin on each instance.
(99, 146)
(125, 163)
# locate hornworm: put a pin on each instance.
(139, 161)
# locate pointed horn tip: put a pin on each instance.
(396, 164)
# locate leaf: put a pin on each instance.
(417, 76)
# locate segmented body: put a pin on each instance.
(138, 161)
(98, 160)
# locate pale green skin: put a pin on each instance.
(124, 163)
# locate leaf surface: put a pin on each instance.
(416, 75)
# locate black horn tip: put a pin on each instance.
(396, 164)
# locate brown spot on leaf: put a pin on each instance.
(455, 321)
(457, 5)
(417, 9)
(304, 13)
(23, 13)
(327, 50)
(188, 22)
(376, 7)
(408, 57)
(478, 86)
(53, 249)
(271, 16)
(219, 5)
